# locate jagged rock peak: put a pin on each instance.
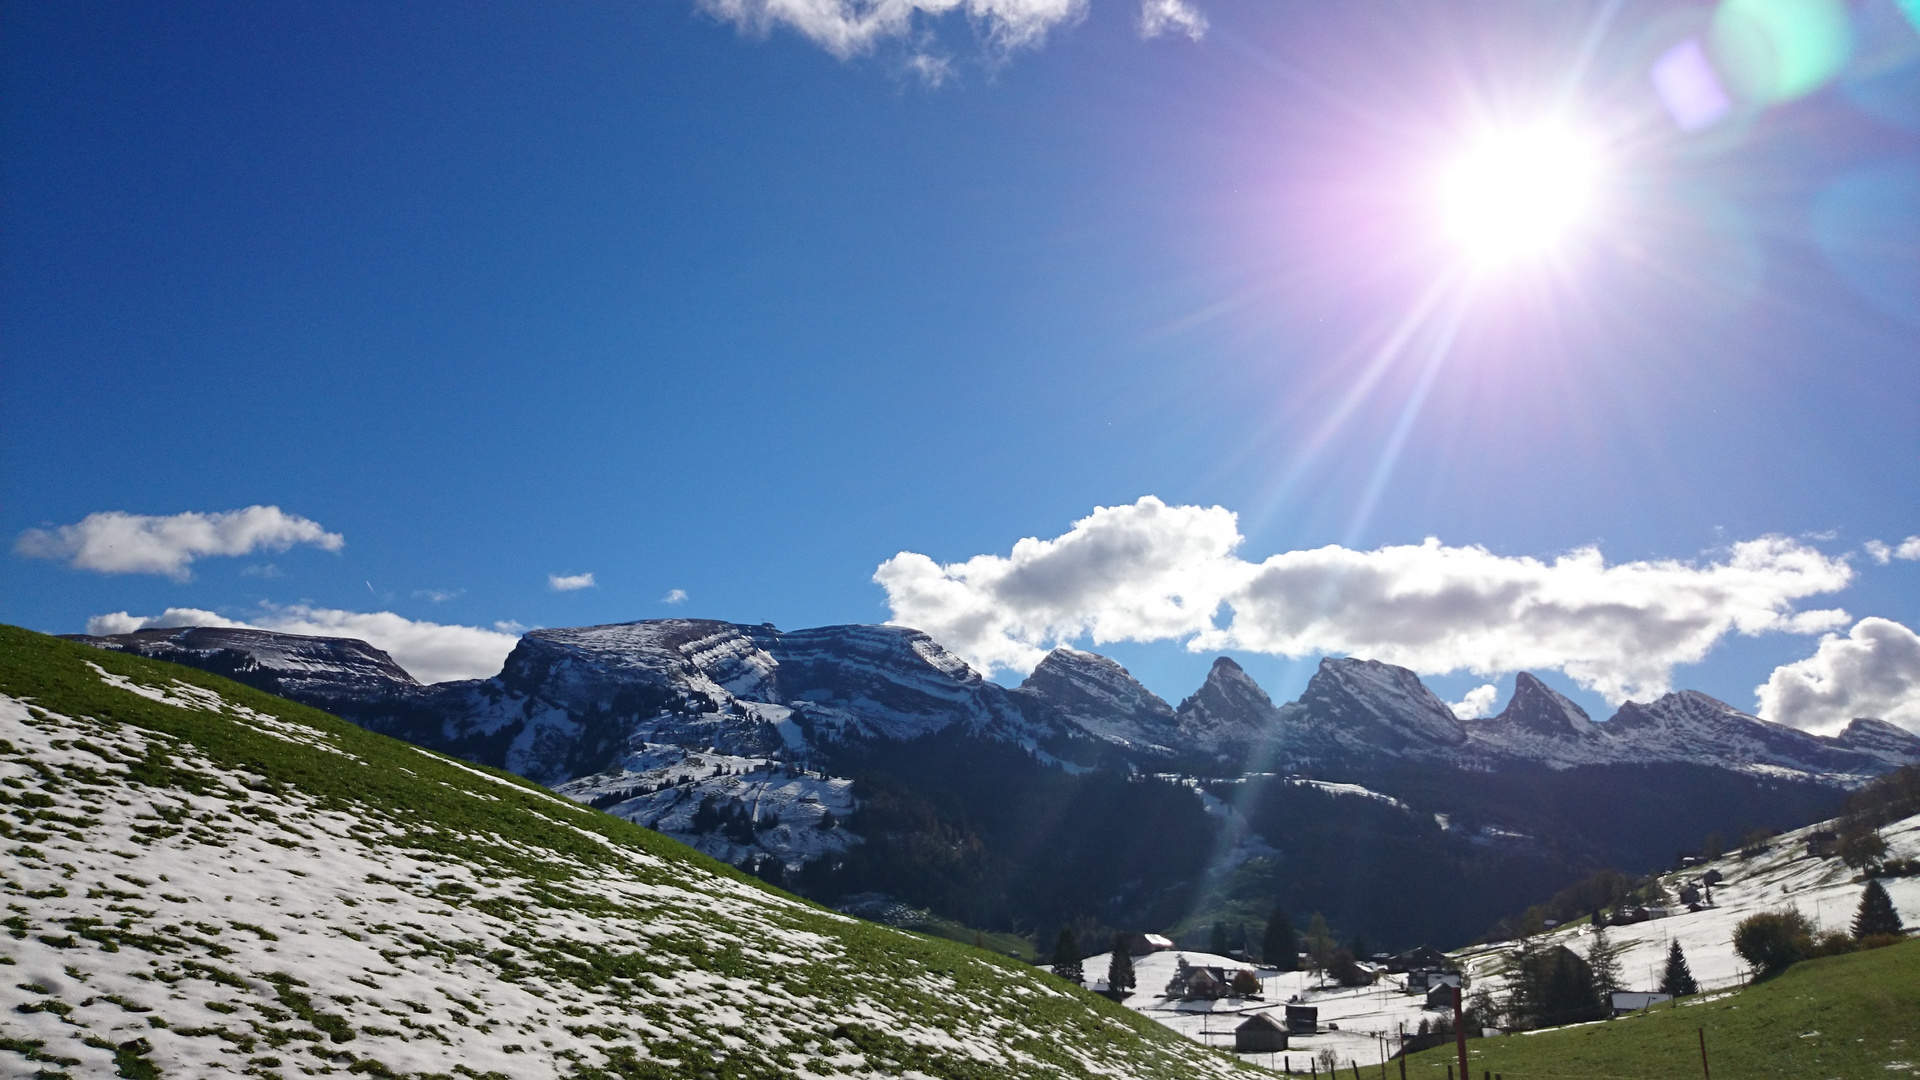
(1228, 689)
(1539, 709)
(1084, 685)
(1390, 700)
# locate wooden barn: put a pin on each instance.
(1260, 1034)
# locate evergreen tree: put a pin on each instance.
(1278, 946)
(1603, 956)
(1217, 945)
(1066, 957)
(1177, 986)
(1876, 914)
(1678, 980)
(1120, 967)
(1360, 946)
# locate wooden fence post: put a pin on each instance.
(1704, 1070)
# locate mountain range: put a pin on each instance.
(865, 759)
(570, 702)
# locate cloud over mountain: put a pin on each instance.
(1150, 571)
(113, 542)
(431, 652)
(570, 582)
(1873, 671)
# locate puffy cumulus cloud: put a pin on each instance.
(1873, 671)
(674, 596)
(120, 622)
(1126, 573)
(569, 582)
(848, 28)
(113, 542)
(1159, 17)
(1478, 702)
(431, 652)
(1150, 571)
(1884, 553)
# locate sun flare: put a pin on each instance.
(1519, 193)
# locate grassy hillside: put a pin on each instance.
(203, 880)
(1850, 1016)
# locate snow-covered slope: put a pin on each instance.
(1105, 699)
(1688, 726)
(204, 881)
(1357, 707)
(1230, 717)
(1825, 890)
(291, 665)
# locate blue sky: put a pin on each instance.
(677, 296)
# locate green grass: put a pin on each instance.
(513, 834)
(1865, 1007)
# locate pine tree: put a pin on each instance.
(1678, 980)
(1177, 986)
(1603, 956)
(1066, 957)
(1217, 945)
(1876, 914)
(1120, 967)
(1278, 946)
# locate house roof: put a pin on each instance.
(1259, 1021)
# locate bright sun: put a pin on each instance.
(1519, 193)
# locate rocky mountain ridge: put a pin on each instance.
(571, 702)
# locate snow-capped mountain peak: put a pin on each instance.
(1230, 713)
(1538, 709)
(1368, 702)
(1104, 698)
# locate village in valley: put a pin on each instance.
(1315, 1007)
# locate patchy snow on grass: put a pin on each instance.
(198, 888)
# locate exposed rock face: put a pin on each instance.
(1102, 697)
(1880, 740)
(1230, 716)
(1541, 725)
(1689, 726)
(1538, 709)
(1355, 705)
(600, 701)
(290, 665)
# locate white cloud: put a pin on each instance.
(1886, 553)
(122, 623)
(1873, 671)
(113, 542)
(1150, 572)
(439, 596)
(431, 652)
(674, 596)
(569, 582)
(1159, 17)
(851, 27)
(1478, 702)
